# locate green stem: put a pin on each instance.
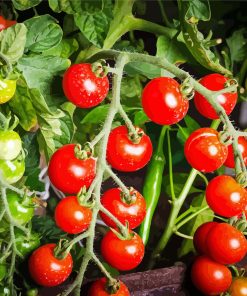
(128, 122)
(170, 166)
(117, 180)
(102, 268)
(185, 214)
(183, 235)
(163, 13)
(97, 138)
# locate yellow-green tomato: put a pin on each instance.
(7, 90)
(10, 145)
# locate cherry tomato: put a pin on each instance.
(163, 102)
(125, 155)
(227, 100)
(134, 212)
(12, 170)
(21, 209)
(4, 24)
(98, 288)
(83, 88)
(7, 90)
(122, 254)
(210, 277)
(242, 145)
(3, 271)
(226, 244)
(71, 217)
(200, 236)
(46, 270)
(69, 173)
(25, 245)
(239, 287)
(10, 143)
(203, 150)
(225, 196)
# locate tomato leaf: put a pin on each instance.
(43, 33)
(64, 49)
(184, 132)
(199, 9)
(140, 118)
(237, 44)
(12, 42)
(32, 159)
(190, 228)
(25, 4)
(72, 6)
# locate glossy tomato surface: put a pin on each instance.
(225, 196)
(204, 151)
(122, 254)
(83, 88)
(12, 170)
(69, 173)
(210, 277)
(7, 90)
(239, 287)
(4, 23)
(134, 212)
(125, 155)
(71, 217)
(227, 100)
(200, 236)
(163, 102)
(226, 244)
(98, 288)
(46, 270)
(10, 143)
(242, 145)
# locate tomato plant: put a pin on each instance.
(99, 288)
(131, 209)
(10, 142)
(242, 144)
(25, 245)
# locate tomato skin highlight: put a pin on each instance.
(210, 277)
(124, 155)
(203, 150)
(10, 144)
(200, 236)
(46, 270)
(225, 196)
(242, 145)
(239, 287)
(122, 254)
(71, 217)
(68, 173)
(215, 82)
(12, 170)
(226, 244)
(134, 213)
(98, 289)
(83, 88)
(163, 102)
(7, 90)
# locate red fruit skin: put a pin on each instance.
(4, 24)
(200, 236)
(122, 254)
(210, 277)
(83, 88)
(98, 289)
(242, 145)
(225, 196)
(71, 217)
(124, 155)
(203, 150)
(163, 102)
(227, 101)
(46, 270)
(134, 213)
(226, 244)
(68, 173)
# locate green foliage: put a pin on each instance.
(25, 4)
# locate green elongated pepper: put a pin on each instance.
(152, 185)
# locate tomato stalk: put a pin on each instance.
(117, 180)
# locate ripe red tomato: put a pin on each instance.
(225, 196)
(239, 287)
(226, 244)
(210, 277)
(200, 236)
(83, 88)
(46, 270)
(125, 155)
(227, 100)
(242, 145)
(4, 24)
(122, 254)
(134, 213)
(71, 217)
(203, 150)
(69, 173)
(98, 289)
(163, 102)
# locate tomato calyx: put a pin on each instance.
(100, 68)
(241, 178)
(239, 223)
(62, 249)
(84, 153)
(187, 90)
(5, 121)
(225, 138)
(123, 234)
(231, 82)
(112, 286)
(84, 199)
(137, 136)
(130, 197)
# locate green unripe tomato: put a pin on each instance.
(10, 145)
(12, 170)
(32, 292)
(25, 245)
(7, 90)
